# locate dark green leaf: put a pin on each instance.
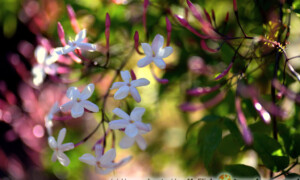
(230, 146)
(242, 171)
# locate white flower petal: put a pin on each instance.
(61, 136)
(108, 157)
(87, 46)
(157, 43)
(123, 161)
(63, 159)
(51, 59)
(147, 49)
(141, 142)
(67, 106)
(67, 146)
(122, 93)
(164, 52)
(119, 112)
(54, 157)
(87, 92)
(98, 151)
(140, 82)
(131, 130)
(118, 124)
(40, 54)
(54, 108)
(80, 36)
(64, 50)
(126, 76)
(90, 106)
(52, 143)
(73, 93)
(137, 113)
(38, 74)
(103, 171)
(88, 159)
(117, 85)
(126, 142)
(135, 94)
(141, 126)
(149, 128)
(160, 63)
(77, 110)
(145, 61)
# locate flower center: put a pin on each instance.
(131, 121)
(99, 165)
(128, 84)
(78, 99)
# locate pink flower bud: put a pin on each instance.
(136, 42)
(61, 34)
(213, 15)
(146, 3)
(227, 17)
(107, 20)
(224, 72)
(234, 5)
(73, 20)
(107, 30)
(202, 90)
(182, 21)
(195, 12)
(185, 24)
(206, 48)
(169, 29)
(133, 76)
(207, 16)
(261, 110)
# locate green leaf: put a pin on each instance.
(242, 171)
(234, 130)
(209, 138)
(295, 146)
(270, 152)
(230, 146)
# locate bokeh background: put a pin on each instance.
(171, 152)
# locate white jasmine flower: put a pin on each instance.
(45, 65)
(76, 44)
(103, 163)
(59, 148)
(49, 117)
(127, 86)
(155, 53)
(79, 101)
(132, 123)
(127, 141)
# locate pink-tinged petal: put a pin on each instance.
(88, 159)
(117, 85)
(147, 49)
(122, 93)
(149, 127)
(123, 161)
(87, 92)
(119, 112)
(40, 54)
(87, 46)
(51, 69)
(73, 20)
(159, 63)
(131, 130)
(73, 93)
(125, 76)
(202, 90)
(141, 142)
(54, 157)
(126, 142)
(103, 171)
(157, 43)
(140, 82)
(108, 157)
(63, 159)
(61, 136)
(145, 61)
(77, 110)
(262, 111)
(80, 36)
(234, 5)
(67, 147)
(137, 113)
(194, 11)
(135, 94)
(67, 106)
(224, 72)
(98, 151)
(61, 34)
(165, 52)
(141, 126)
(52, 143)
(90, 106)
(118, 124)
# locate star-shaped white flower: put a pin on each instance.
(103, 163)
(76, 44)
(79, 101)
(155, 53)
(59, 148)
(49, 117)
(45, 65)
(127, 141)
(132, 123)
(127, 86)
